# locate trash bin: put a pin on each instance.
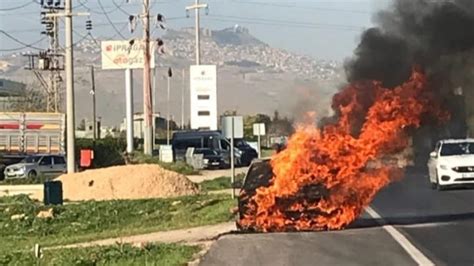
(53, 193)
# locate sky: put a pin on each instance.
(323, 29)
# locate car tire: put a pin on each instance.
(32, 174)
(432, 185)
(438, 186)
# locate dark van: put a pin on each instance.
(213, 140)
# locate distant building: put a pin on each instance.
(239, 29)
(203, 97)
(139, 126)
(88, 131)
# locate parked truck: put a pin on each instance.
(23, 134)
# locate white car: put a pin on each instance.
(452, 163)
(36, 165)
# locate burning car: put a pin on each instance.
(259, 175)
(325, 177)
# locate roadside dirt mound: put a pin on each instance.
(126, 182)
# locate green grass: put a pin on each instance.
(26, 181)
(266, 153)
(179, 167)
(159, 254)
(221, 183)
(86, 221)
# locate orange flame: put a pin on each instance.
(332, 163)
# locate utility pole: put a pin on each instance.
(69, 66)
(94, 115)
(56, 76)
(52, 100)
(70, 112)
(153, 102)
(129, 109)
(182, 99)
(147, 101)
(170, 74)
(196, 8)
(232, 158)
(49, 60)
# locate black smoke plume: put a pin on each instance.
(438, 36)
(434, 35)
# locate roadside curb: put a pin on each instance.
(189, 236)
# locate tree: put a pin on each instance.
(276, 115)
(249, 120)
(161, 133)
(280, 126)
(29, 100)
(188, 125)
(230, 113)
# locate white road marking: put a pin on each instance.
(423, 225)
(414, 252)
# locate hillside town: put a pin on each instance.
(247, 52)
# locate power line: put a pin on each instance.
(104, 12)
(277, 4)
(108, 19)
(119, 7)
(98, 25)
(278, 25)
(83, 37)
(26, 45)
(286, 23)
(23, 47)
(18, 7)
(81, 4)
(125, 24)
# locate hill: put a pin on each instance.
(252, 76)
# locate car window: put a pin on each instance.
(31, 159)
(59, 160)
(211, 142)
(452, 149)
(224, 144)
(47, 160)
(241, 143)
(186, 143)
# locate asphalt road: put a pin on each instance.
(436, 226)
(439, 223)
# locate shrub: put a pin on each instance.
(107, 151)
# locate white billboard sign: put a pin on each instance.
(122, 55)
(203, 83)
(166, 154)
(259, 129)
(238, 127)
